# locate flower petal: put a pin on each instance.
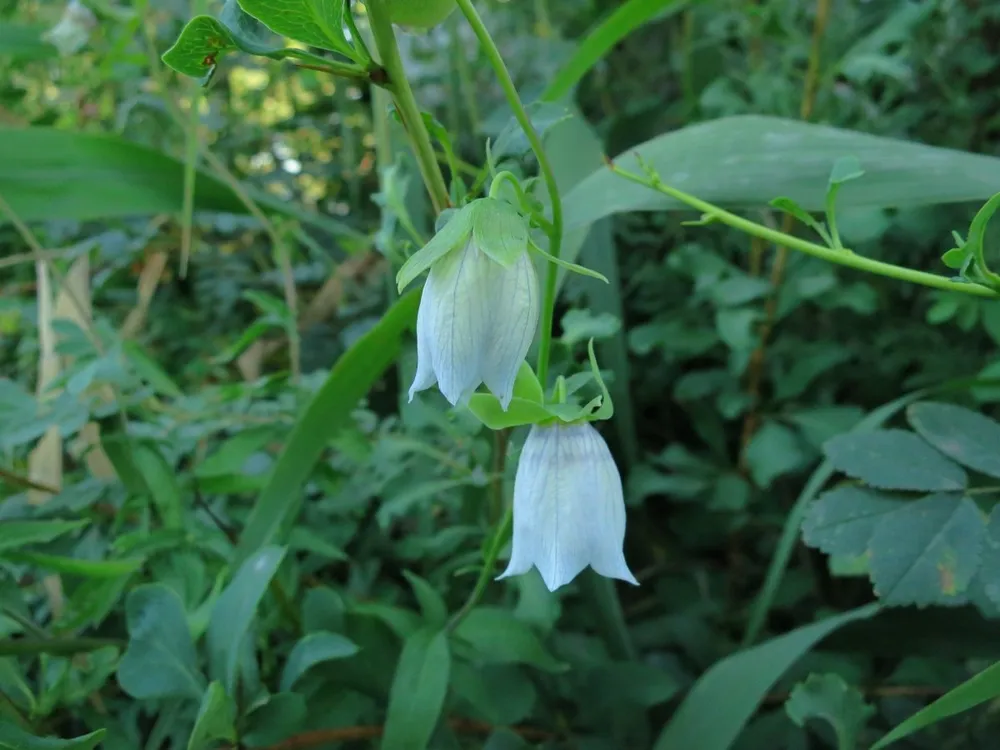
(425, 364)
(515, 319)
(548, 529)
(604, 497)
(458, 291)
(569, 508)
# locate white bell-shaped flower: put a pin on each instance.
(475, 323)
(569, 508)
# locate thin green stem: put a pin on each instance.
(555, 235)
(406, 104)
(842, 257)
(489, 564)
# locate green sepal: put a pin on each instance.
(486, 407)
(526, 385)
(582, 270)
(526, 408)
(452, 234)
(499, 231)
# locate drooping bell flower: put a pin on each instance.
(569, 508)
(480, 303)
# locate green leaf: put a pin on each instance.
(970, 438)
(234, 612)
(894, 460)
(794, 209)
(984, 687)
(497, 637)
(511, 140)
(161, 482)
(24, 41)
(79, 567)
(432, 604)
(15, 738)
(113, 178)
(197, 50)
(501, 694)
(313, 649)
(276, 719)
(829, 698)
(16, 534)
(316, 22)
(582, 325)
(927, 551)
(845, 169)
(448, 238)
(216, 719)
(723, 699)
(774, 451)
(160, 661)
(600, 40)
(499, 231)
(14, 685)
(842, 521)
(418, 691)
(487, 409)
(731, 162)
(330, 410)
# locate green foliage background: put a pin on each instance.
(223, 525)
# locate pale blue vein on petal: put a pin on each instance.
(515, 319)
(458, 324)
(569, 509)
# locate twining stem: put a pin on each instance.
(556, 230)
(840, 257)
(406, 104)
(756, 366)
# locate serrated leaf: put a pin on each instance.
(970, 438)
(314, 648)
(842, 521)
(894, 460)
(499, 231)
(234, 613)
(13, 737)
(160, 661)
(927, 551)
(316, 22)
(984, 589)
(215, 721)
(829, 698)
(448, 238)
(418, 691)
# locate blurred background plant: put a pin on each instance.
(192, 555)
